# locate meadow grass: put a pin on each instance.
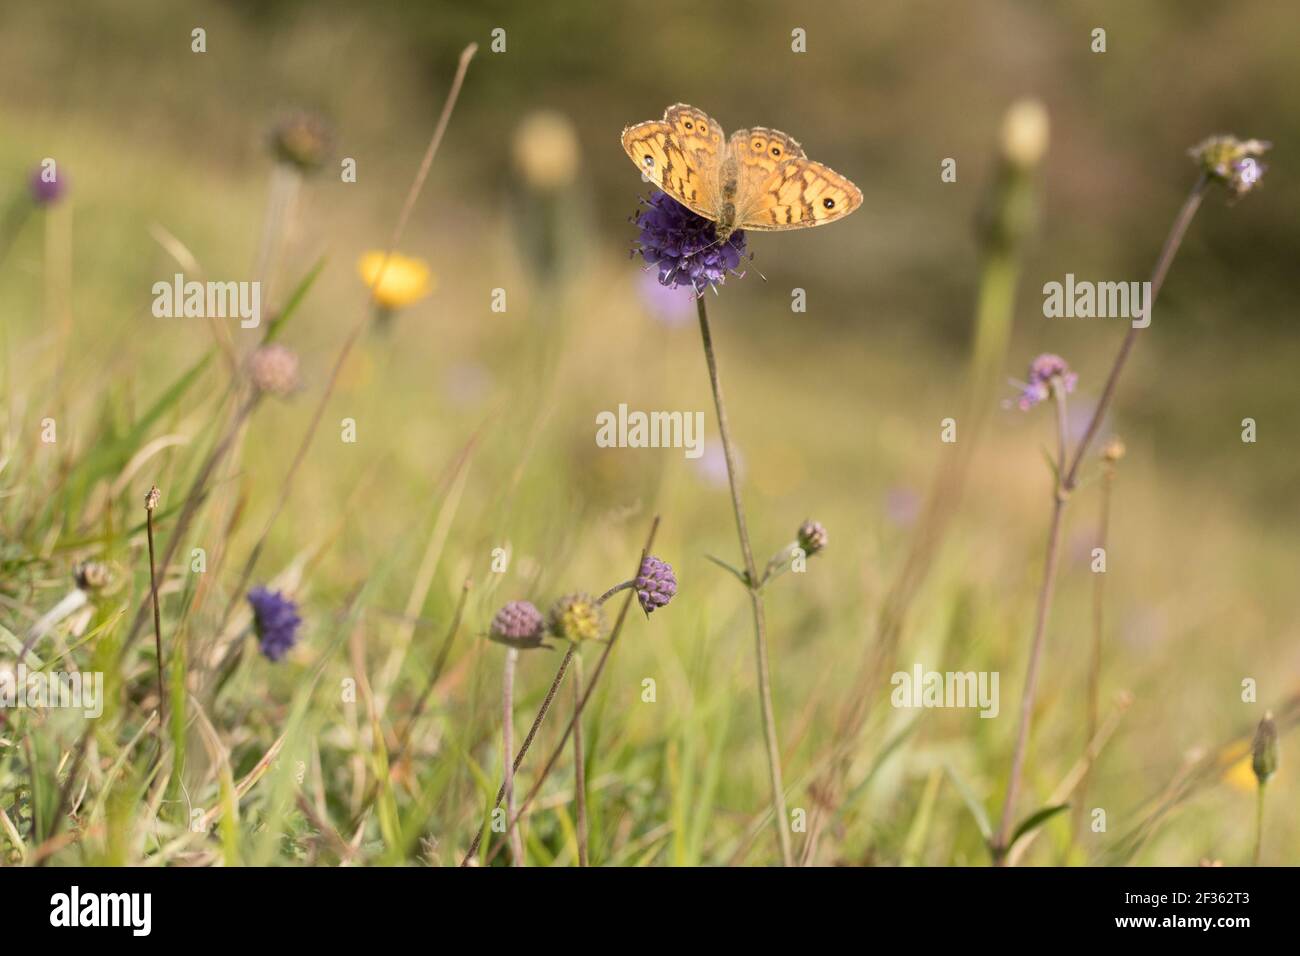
(378, 740)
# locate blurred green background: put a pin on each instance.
(836, 410)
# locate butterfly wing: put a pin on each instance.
(682, 155)
(779, 187)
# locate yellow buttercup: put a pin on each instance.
(758, 179)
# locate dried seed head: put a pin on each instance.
(92, 576)
(1113, 450)
(152, 498)
(274, 369)
(302, 140)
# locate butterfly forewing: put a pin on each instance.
(681, 154)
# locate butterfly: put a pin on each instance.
(758, 179)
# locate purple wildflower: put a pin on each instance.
(45, 189)
(276, 621)
(518, 624)
(1042, 371)
(813, 537)
(655, 583)
(684, 246)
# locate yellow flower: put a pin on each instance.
(404, 279)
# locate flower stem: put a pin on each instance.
(581, 704)
(513, 835)
(579, 769)
(157, 614)
(1066, 480)
(1259, 824)
(1093, 705)
(999, 845)
(779, 817)
(1167, 252)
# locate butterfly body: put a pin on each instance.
(758, 178)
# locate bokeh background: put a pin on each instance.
(836, 410)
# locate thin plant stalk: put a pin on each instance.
(1259, 823)
(564, 737)
(408, 206)
(513, 836)
(1066, 481)
(151, 502)
(1060, 496)
(579, 768)
(1093, 705)
(780, 819)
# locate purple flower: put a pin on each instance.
(667, 305)
(684, 246)
(276, 621)
(518, 624)
(1042, 371)
(655, 583)
(45, 189)
(812, 537)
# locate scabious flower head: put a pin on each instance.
(402, 281)
(276, 621)
(518, 624)
(302, 140)
(812, 537)
(655, 583)
(1232, 162)
(684, 246)
(576, 617)
(274, 369)
(1263, 751)
(47, 185)
(1042, 371)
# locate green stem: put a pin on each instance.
(579, 767)
(1259, 823)
(779, 816)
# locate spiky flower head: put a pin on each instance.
(47, 185)
(274, 369)
(684, 246)
(655, 583)
(1232, 162)
(518, 624)
(152, 499)
(1043, 371)
(302, 140)
(276, 621)
(1263, 752)
(812, 537)
(576, 617)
